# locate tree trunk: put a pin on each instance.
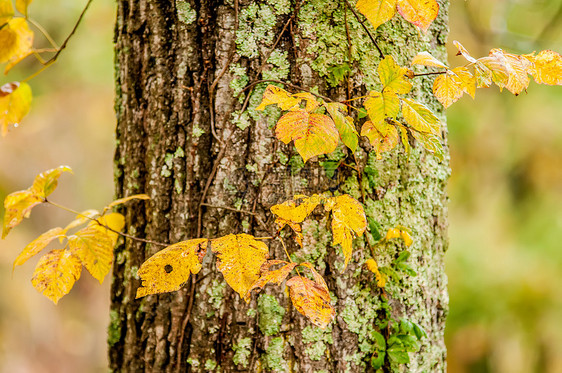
(187, 133)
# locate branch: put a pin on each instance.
(365, 28)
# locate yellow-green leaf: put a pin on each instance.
(94, 244)
(546, 67)
(6, 11)
(419, 117)
(466, 79)
(344, 124)
(38, 244)
(426, 59)
(380, 106)
(373, 267)
(46, 182)
(517, 67)
(314, 134)
(431, 143)
(275, 95)
(240, 257)
(169, 269)
(419, 12)
(393, 76)
(448, 88)
(347, 216)
(312, 298)
(21, 6)
(377, 11)
(82, 218)
(15, 102)
(494, 69)
(404, 137)
(56, 273)
(378, 141)
(17, 206)
(400, 232)
(16, 39)
(269, 276)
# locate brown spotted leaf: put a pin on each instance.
(379, 142)
(240, 257)
(269, 276)
(169, 269)
(56, 273)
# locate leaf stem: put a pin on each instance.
(365, 28)
(433, 73)
(44, 32)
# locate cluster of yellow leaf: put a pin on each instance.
(504, 69)
(16, 40)
(384, 107)
(91, 246)
(418, 12)
(348, 217)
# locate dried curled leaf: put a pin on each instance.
(240, 257)
(94, 244)
(15, 102)
(400, 232)
(419, 117)
(377, 11)
(56, 273)
(426, 59)
(18, 205)
(379, 142)
(312, 298)
(269, 276)
(462, 51)
(393, 76)
(419, 12)
(373, 267)
(169, 269)
(314, 134)
(347, 216)
(38, 244)
(344, 124)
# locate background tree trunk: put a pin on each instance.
(187, 133)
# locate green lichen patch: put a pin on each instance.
(114, 328)
(216, 293)
(316, 340)
(186, 14)
(270, 314)
(242, 350)
(273, 357)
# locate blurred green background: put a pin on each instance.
(505, 259)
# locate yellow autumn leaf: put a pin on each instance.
(38, 244)
(94, 244)
(6, 11)
(347, 216)
(311, 102)
(466, 80)
(546, 67)
(377, 11)
(426, 59)
(296, 227)
(269, 276)
(312, 298)
(393, 76)
(275, 95)
(298, 208)
(380, 106)
(169, 269)
(419, 117)
(21, 6)
(517, 67)
(239, 258)
(120, 201)
(404, 137)
(373, 267)
(491, 69)
(431, 143)
(56, 273)
(18, 206)
(399, 232)
(46, 182)
(419, 12)
(379, 142)
(448, 88)
(82, 218)
(15, 102)
(344, 124)
(313, 134)
(16, 39)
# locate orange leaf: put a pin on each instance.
(347, 216)
(393, 76)
(377, 11)
(38, 244)
(276, 95)
(169, 269)
(15, 102)
(379, 142)
(314, 134)
(240, 257)
(312, 298)
(419, 12)
(56, 273)
(269, 276)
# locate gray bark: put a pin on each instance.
(183, 140)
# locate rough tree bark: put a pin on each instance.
(187, 133)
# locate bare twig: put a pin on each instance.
(365, 28)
